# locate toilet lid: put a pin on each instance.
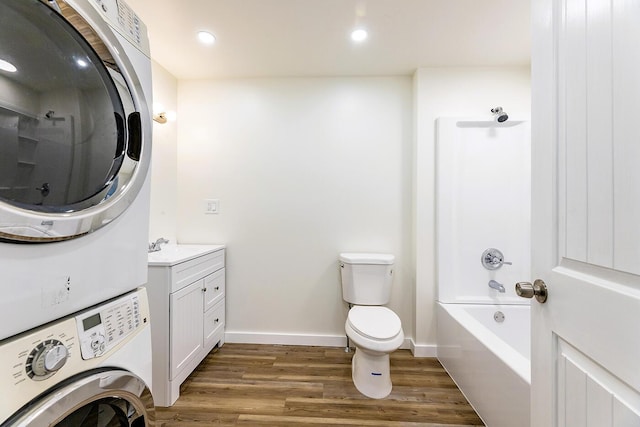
(374, 322)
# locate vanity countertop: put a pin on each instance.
(175, 254)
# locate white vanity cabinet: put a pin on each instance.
(186, 291)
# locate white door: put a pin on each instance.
(586, 212)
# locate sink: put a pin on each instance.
(175, 254)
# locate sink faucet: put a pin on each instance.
(155, 246)
(497, 286)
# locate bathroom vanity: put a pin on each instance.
(186, 291)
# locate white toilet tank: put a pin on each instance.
(366, 278)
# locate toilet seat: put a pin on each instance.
(374, 322)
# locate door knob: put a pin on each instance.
(527, 290)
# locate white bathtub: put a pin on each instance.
(488, 360)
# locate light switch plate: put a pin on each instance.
(211, 206)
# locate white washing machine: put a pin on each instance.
(75, 145)
(89, 369)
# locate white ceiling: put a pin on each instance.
(268, 38)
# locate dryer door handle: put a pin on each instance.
(134, 143)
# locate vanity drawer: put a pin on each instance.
(188, 272)
(214, 285)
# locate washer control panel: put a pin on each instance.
(36, 360)
(102, 328)
(37, 355)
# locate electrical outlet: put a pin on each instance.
(211, 206)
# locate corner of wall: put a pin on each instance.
(162, 221)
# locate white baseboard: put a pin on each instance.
(423, 350)
(314, 340)
(285, 339)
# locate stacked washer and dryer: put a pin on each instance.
(75, 148)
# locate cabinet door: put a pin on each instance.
(185, 332)
(214, 286)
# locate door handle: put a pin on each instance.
(538, 290)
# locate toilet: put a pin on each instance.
(376, 331)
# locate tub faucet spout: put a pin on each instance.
(497, 286)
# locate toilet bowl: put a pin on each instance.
(375, 331)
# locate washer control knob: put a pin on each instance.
(55, 358)
(46, 359)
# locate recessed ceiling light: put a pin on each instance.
(7, 66)
(206, 37)
(359, 35)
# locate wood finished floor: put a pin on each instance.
(277, 385)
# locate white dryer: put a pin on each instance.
(89, 369)
(75, 145)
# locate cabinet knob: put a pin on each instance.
(204, 289)
(217, 288)
(217, 320)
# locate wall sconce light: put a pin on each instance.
(160, 117)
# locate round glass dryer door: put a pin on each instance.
(72, 124)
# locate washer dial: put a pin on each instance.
(46, 359)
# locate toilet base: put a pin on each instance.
(371, 374)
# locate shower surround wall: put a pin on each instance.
(484, 202)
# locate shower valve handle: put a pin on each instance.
(538, 289)
(492, 259)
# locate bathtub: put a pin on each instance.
(488, 360)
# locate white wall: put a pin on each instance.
(164, 167)
(441, 92)
(304, 168)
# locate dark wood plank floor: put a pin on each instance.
(273, 385)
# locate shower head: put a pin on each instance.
(499, 115)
